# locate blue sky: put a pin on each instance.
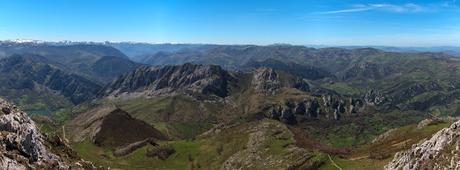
(320, 22)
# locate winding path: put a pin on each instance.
(333, 163)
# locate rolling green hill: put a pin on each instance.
(329, 102)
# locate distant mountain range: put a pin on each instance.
(43, 78)
(137, 51)
(232, 106)
(87, 60)
(452, 50)
(34, 73)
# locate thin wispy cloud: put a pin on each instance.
(409, 7)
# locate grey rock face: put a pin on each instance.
(191, 78)
(265, 80)
(313, 110)
(325, 107)
(268, 81)
(374, 97)
(300, 108)
(399, 96)
(22, 145)
(257, 156)
(287, 116)
(275, 113)
(427, 154)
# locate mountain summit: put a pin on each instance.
(190, 78)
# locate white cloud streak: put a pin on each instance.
(409, 7)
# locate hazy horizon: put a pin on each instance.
(25, 40)
(331, 22)
(230, 84)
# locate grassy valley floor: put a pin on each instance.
(255, 145)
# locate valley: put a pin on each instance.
(190, 106)
(229, 85)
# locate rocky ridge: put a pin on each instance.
(256, 155)
(406, 96)
(323, 107)
(188, 78)
(439, 152)
(22, 146)
(268, 81)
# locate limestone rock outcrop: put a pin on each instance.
(441, 151)
(22, 146)
(188, 78)
(267, 80)
(257, 154)
(323, 107)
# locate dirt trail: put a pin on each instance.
(333, 163)
(358, 158)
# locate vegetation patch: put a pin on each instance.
(378, 154)
(209, 152)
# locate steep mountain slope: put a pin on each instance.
(267, 80)
(188, 99)
(139, 51)
(165, 80)
(438, 152)
(339, 97)
(108, 68)
(110, 127)
(381, 150)
(88, 60)
(363, 73)
(24, 147)
(327, 115)
(31, 82)
(421, 83)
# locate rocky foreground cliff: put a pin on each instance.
(22, 146)
(439, 152)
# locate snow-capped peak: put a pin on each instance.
(21, 41)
